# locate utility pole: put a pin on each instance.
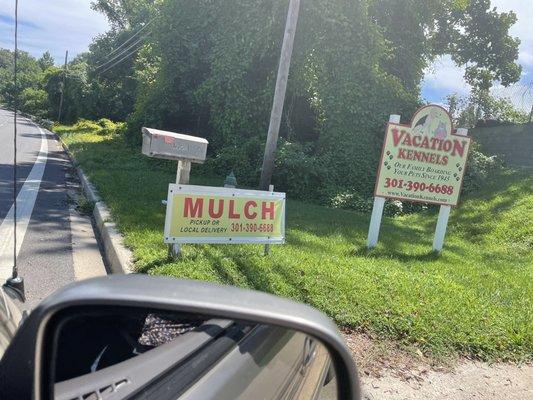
(62, 87)
(279, 95)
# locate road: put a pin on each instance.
(46, 244)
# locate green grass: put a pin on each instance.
(475, 299)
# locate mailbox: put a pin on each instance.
(173, 146)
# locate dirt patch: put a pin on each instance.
(375, 357)
(388, 371)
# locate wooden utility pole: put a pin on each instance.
(279, 95)
(62, 87)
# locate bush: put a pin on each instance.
(106, 123)
(102, 127)
(480, 169)
(84, 125)
(34, 102)
(243, 159)
(297, 172)
(355, 202)
(351, 201)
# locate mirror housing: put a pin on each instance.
(23, 366)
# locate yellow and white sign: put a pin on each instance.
(425, 161)
(202, 214)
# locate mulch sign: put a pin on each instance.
(203, 214)
(425, 161)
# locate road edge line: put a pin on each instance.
(117, 255)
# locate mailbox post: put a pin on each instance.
(184, 149)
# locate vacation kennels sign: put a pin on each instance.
(424, 161)
(202, 214)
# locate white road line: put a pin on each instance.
(25, 203)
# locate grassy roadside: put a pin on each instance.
(476, 299)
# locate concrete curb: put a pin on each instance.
(118, 256)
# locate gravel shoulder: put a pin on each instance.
(468, 380)
(388, 372)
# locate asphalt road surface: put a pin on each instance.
(45, 248)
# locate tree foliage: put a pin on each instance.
(481, 107)
(209, 67)
(212, 72)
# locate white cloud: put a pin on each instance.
(56, 26)
(443, 77)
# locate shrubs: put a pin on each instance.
(356, 202)
(102, 127)
(480, 169)
(297, 172)
(243, 159)
(307, 175)
(84, 125)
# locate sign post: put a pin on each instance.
(182, 177)
(421, 162)
(444, 214)
(379, 204)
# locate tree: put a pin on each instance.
(473, 33)
(46, 61)
(480, 105)
(28, 75)
(76, 93)
(34, 102)
(125, 14)
(354, 63)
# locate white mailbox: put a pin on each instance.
(173, 146)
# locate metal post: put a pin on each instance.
(183, 173)
(279, 95)
(379, 204)
(267, 246)
(444, 214)
(62, 88)
(182, 177)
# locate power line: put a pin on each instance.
(520, 94)
(132, 37)
(119, 61)
(126, 42)
(122, 52)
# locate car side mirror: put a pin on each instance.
(138, 336)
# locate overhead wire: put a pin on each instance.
(120, 60)
(128, 44)
(520, 94)
(132, 37)
(122, 52)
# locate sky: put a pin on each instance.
(54, 25)
(444, 77)
(59, 25)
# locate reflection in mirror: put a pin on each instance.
(99, 351)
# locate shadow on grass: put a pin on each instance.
(363, 251)
(278, 275)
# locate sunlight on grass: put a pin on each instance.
(475, 299)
